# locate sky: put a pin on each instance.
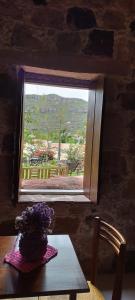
(61, 91)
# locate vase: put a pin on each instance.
(33, 246)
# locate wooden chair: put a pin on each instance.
(106, 232)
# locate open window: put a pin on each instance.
(58, 136)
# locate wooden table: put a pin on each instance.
(61, 275)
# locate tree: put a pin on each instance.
(57, 119)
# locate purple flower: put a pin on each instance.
(36, 218)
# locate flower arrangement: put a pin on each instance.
(33, 224)
(37, 218)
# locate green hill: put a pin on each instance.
(52, 113)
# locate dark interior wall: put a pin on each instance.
(96, 29)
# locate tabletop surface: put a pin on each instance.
(61, 275)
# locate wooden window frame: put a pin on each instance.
(93, 82)
(93, 138)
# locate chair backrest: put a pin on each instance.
(107, 232)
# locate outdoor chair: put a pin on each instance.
(72, 165)
(106, 232)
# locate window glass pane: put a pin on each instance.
(54, 136)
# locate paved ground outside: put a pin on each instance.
(57, 182)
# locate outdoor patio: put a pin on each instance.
(57, 182)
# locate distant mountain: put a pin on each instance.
(52, 112)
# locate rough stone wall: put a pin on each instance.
(97, 29)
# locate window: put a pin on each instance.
(30, 77)
(54, 138)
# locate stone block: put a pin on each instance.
(112, 19)
(131, 86)
(127, 210)
(130, 258)
(80, 18)
(75, 209)
(1, 142)
(22, 37)
(131, 46)
(113, 130)
(127, 101)
(66, 225)
(114, 165)
(8, 228)
(133, 165)
(131, 149)
(10, 9)
(132, 127)
(116, 177)
(40, 2)
(122, 49)
(7, 117)
(7, 86)
(129, 189)
(68, 42)
(100, 43)
(8, 143)
(5, 167)
(60, 207)
(132, 26)
(85, 264)
(50, 18)
(6, 176)
(110, 90)
(133, 72)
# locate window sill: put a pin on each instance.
(54, 198)
(50, 192)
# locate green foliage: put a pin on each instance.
(74, 153)
(28, 150)
(28, 136)
(49, 164)
(51, 117)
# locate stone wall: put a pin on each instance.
(97, 29)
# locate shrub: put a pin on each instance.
(44, 154)
(74, 153)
